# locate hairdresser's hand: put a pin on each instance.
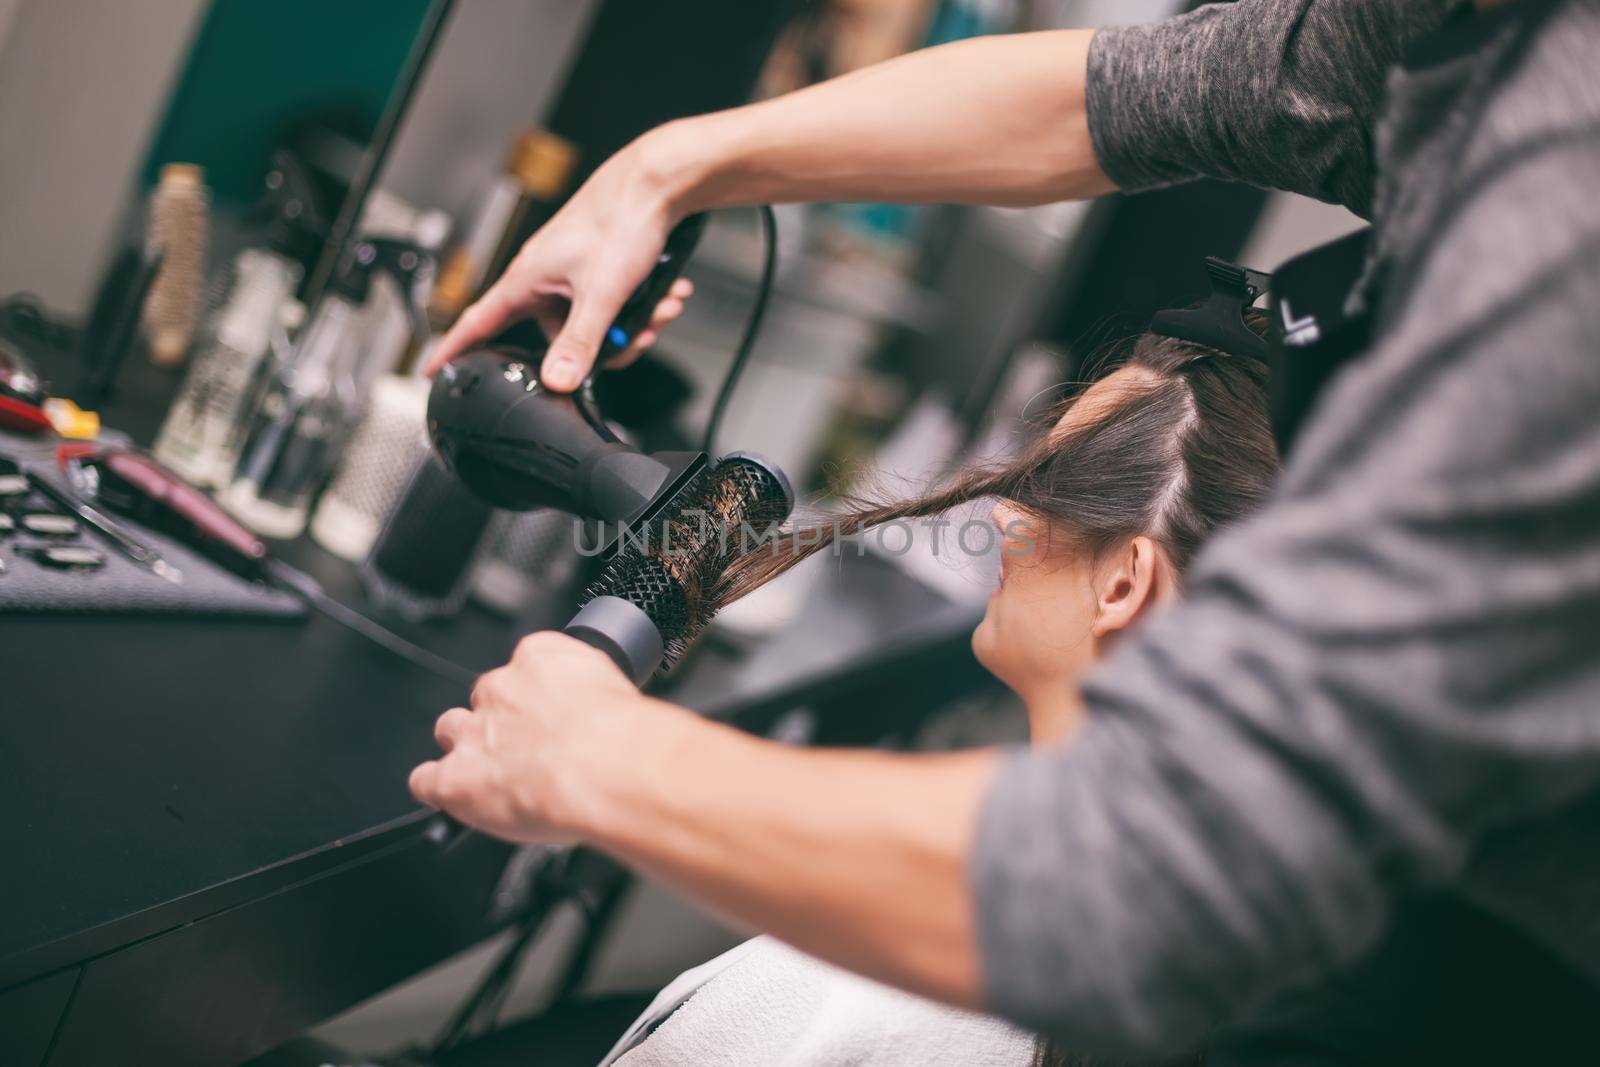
(528, 761)
(574, 275)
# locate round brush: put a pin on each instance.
(656, 594)
(178, 231)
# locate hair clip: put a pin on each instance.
(1219, 322)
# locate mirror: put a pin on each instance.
(97, 95)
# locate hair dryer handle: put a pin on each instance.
(634, 317)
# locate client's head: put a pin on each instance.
(1100, 516)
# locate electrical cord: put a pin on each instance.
(310, 590)
(477, 1014)
(741, 355)
(567, 876)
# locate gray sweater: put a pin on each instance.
(1386, 685)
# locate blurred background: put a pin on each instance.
(254, 145)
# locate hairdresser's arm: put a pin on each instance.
(1272, 93)
(996, 120)
(857, 857)
(1392, 660)
(1278, 94)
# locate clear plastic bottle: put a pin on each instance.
(299, 425)
(199, 439)
(311, 404)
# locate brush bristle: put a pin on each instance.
(179, 229)
(669, 569)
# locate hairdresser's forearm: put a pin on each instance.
(996, 120)
(859, 858)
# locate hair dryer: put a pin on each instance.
(678, 518)
(520, 446)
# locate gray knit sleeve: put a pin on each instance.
(1130, 896)
(1392, 660)
(1277, 93)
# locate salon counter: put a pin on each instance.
(209, 843)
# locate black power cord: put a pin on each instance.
(741, 355)
(581, 877)
(310, 590)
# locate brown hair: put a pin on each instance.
(1184, 449)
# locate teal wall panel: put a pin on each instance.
(257, 64)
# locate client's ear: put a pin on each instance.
(1131, 581)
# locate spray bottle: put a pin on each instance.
(310, 405)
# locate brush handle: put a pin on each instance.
(614, 626)
(622, 631)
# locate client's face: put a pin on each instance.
(1037, 635)
(1039, 632)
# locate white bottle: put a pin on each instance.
(392, 434)
(391, 439)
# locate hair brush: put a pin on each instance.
(668, 570)
(653, 597)
(178, 231)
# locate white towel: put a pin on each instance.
(765, 1004)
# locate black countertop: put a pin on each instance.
(152, 762)
(162, 771)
